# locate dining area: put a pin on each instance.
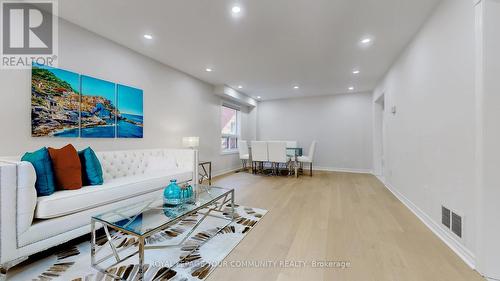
(276, 158)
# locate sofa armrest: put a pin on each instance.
(26, 196)
(8, 239)
(17, 202)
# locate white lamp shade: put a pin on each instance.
(191, 141)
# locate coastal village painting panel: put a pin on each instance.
(98, 108)
(130, 120)
(55, 102)
(67, 104)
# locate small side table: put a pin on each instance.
(205, 174)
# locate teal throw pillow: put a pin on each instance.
(40, 159)
(91, 167)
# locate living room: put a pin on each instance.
(221, 140)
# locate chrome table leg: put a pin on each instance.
(140, 273)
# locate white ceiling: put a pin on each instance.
(272, 46)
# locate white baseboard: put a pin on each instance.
(328, 169)
(225, 171)
(343, 170)
(465, 254)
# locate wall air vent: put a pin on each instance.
(445, 216)
(456, 224)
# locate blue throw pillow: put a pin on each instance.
(45, 183)
(91, 167)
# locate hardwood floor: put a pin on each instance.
(336, 217)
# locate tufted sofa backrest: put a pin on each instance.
(117, 164)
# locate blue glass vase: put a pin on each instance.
(172, 194)
(187, 194)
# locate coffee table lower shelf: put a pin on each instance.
(206, 210)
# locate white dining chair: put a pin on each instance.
(277, 155)
(244, 154)
(309, 158)
(259, 154)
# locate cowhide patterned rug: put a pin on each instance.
(195, 259)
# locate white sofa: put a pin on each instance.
(30, 224)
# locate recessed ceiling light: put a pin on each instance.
(208, 70)
(351, 88)
(236, 9)
(148, 36)
(240, 87)
(296, 87)
(355, 71)
(258, 97)
(366, 40)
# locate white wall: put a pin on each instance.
(175, 104)
(488, 136)
(430, 141)
(340, 123)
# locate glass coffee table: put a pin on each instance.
(144, 219)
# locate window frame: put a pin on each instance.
(230, 136)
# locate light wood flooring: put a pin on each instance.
(336, 217)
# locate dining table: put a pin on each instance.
(293, 153)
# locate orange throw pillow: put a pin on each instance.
(67, 167)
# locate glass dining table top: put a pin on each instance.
(291, 151)
(150, 215)
(294, 151)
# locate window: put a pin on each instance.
(230, 128)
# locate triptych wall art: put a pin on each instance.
(67, 104)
